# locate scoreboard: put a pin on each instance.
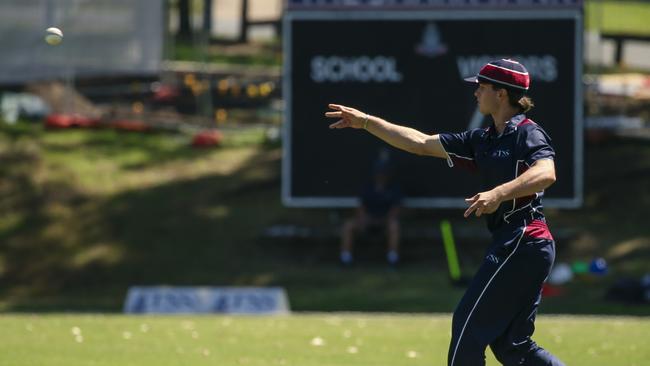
(406, 65)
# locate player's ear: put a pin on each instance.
(502, 93)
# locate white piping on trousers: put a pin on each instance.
(453, 357)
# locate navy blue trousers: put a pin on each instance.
(499, 307)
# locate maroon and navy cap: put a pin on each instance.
(505, 72)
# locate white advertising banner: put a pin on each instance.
(203, 300)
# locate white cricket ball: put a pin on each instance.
(53, 36)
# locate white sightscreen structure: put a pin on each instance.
(101, 38)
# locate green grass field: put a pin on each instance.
(300, 340)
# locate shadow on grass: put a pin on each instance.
(153, 149)
(58, 240)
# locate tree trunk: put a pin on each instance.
(243, 32)
(184, 28)
(207, 16)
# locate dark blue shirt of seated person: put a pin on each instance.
(378, 201)
(499, 159)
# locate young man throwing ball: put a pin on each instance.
(515, 161)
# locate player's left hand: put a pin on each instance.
(348, 117)
(482, 203)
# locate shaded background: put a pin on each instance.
(172, 175)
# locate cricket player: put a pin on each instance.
(515, 161)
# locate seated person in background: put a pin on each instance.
(379, 209)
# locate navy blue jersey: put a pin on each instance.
(501, 158)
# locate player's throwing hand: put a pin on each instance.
(348, 117)
(482, 203)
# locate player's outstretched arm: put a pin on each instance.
(404, 138)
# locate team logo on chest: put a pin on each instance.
(500, 154)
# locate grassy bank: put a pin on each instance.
(618, 17)
(84, 214)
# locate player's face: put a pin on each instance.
(486, 97)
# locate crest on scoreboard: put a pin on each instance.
(431, 44)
